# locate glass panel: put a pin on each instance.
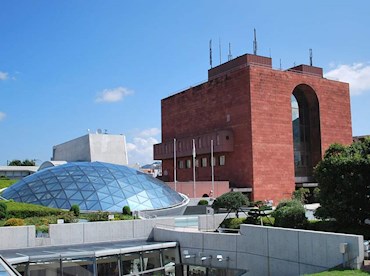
(107, 266)
(80, 267)
(130, 264)
(49, 268)
(151, 260)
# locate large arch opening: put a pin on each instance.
(306, 132)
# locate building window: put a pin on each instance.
(199, 142)
(222, 160)
(218, 140)
(188, 164)
(180, 164)
(204, 162)
(196, 163)
(180, 146)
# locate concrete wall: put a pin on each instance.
(268, 250)
(93, 147)
(79, 233)
(17, 237)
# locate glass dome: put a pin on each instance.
(93, 186)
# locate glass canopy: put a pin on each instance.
(93, 186)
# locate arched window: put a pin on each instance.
(306, 132)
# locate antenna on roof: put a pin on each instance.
(310, 57)
(255, 43)
(280, 64)
(219, 47)
(229, 57)
(210, 53)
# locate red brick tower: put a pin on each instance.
(269, 127)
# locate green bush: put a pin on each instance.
(290, 214)
(42, 228)
(24, 210)
(233, 223)
(98, 216)
(68, 217)
(75, 209)
(203, 202)
(3, 210)
(231, 201)
(14, 222)
(126, 210)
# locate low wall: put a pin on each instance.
(79, 233)
(17, 237)
(268, 250)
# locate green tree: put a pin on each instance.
(126, 210)
(25, 162)
(290, 214)
(231, 201)
(3, 210)
(15, 162)
(301, 195)
(75, 209)
(344, 181)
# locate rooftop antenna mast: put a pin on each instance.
(210, 53)
(229, 57)
(255, 43)
(219, 47)
(310, 57)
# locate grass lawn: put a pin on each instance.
(4, 182)
(341, 273)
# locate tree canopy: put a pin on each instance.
(25, 162)
(231, 201)
(344, 181)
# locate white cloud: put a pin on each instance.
(150, 132)
(140, 148)
(2, 116)
(3, 75)
(113, 95)
(357, 75)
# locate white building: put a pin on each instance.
(93, 147)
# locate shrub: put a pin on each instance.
(24, 210)
(301, 195)
(75, 209)
(3, 210)
(14, 222)
(68, 217)
(233, 223)
(98, 216)
(203, 202)
(126, 210)
(290, 214)
(231, 201)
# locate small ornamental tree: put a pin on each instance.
(290, 214)
(3, 210)
(231, 201)
(126, 210)
(344, 181)
(75, 209)
(203, 202)
(301, 195)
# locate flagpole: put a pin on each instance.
(174, 163)
(213, 169)
(194, 192)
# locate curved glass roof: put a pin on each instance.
(93, 186)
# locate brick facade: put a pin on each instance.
(245, 108)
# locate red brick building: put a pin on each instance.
(269, 127)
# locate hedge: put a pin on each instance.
(24, 210)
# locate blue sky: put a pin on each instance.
(69, 66)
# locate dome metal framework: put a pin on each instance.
(94, 186)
